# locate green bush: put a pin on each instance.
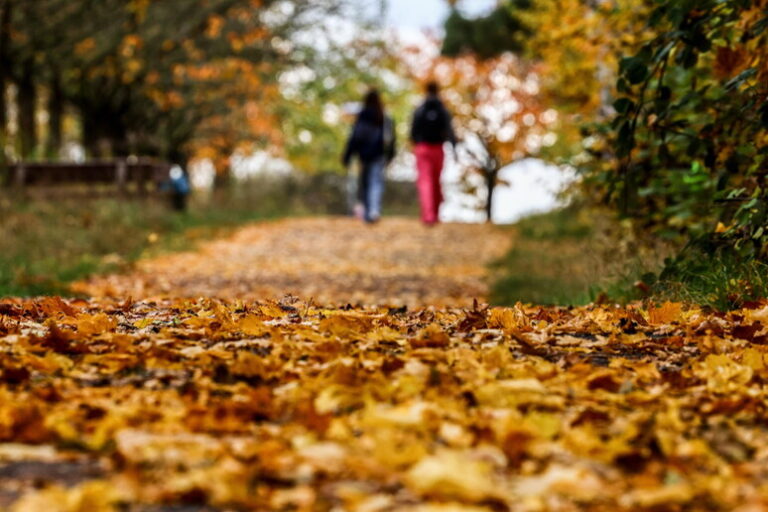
(691, 130)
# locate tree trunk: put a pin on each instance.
(222, 165)
(118, 138)
(490, 182)
(55, 117)
(98, 138)
(3, 118)
(5, 33)
(90, 134)
(27, 102)
(221, 180)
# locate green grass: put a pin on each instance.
(576, 256)
(572, 256)
(46, 245)
(721, 282)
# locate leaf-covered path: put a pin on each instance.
(329, 260)
(203, 404)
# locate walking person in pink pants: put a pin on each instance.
(430, 130)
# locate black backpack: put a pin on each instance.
(433, 123)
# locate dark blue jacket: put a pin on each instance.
(370, 139)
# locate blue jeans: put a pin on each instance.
(372, 188)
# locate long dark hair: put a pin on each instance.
(374, 105)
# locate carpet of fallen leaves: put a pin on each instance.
(214, 405)
(332, 260)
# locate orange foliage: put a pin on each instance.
(220, 100)
(497, 107)
(291, 405)
(497, 101)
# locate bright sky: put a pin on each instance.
(419, 14)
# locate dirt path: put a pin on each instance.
(331, 260)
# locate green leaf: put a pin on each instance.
(636, 71)
(687, 58)
(624, 105)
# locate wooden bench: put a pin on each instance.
(124, 176)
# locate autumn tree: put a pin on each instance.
(497, 108)
(37, 42)
(502, 30)
(320, 96)
(171, 88)
(576, 45)
(664, 106)
(147, 77)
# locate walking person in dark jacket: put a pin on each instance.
(373, 141)
(431, 129)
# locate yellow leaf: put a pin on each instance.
(666, 313)
(453, 475)
(252, 326)
(94, 496)
(754, 359)
(723, 374)
(91, 325)
(433, 336)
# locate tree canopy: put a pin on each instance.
(151, 77)
(500, 31)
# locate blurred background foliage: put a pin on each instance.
(320, 98)
(201, 80)
(660, 105)
(174, 80)
(664, 112)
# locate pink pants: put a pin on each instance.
(429, 162)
